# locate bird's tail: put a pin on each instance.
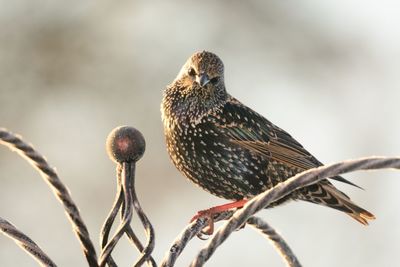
(326, 194)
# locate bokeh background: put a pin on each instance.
(326, 71)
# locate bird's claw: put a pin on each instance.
(209, 229)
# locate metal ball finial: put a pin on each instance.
(125, 144)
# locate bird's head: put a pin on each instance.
(203, 70)
(198, 88)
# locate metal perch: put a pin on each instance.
(25, 243)
(125, 146)
(61, 192)
(300, 180)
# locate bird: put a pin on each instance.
(230, 150)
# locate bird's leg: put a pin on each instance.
(209, 213)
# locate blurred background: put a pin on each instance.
(325, 71)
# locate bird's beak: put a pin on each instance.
(202, 79)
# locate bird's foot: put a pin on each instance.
(209, 229)
(209, 214)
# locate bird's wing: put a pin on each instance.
(252, 131)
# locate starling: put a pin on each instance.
(232, 151)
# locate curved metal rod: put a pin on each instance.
(126, 218)
(106, 228)
(282, 189)
(25, 243)
(277, 241)
(132, 236)
(134, 240)
(105, 231)
(148, 249)
(119, 204)
(15, 143)
(197, 226)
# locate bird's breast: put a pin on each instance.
(205, 155)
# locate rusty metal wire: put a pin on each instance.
(277, 241)
(300, 180)
(15, 143)
(126, 201)
(25, 243)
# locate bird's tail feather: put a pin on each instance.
(326, 194)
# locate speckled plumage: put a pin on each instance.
(230, 150)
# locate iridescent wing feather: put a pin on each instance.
(261, 136)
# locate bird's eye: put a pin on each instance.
(192, 72)
(214, 80)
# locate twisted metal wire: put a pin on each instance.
(149, 247)
(119, 204)
(277, 241)
(126, 201)
(187, 234)
(106, 228)
(126, 216)
(197, 226)
(300, 180)
(25, 243)
(15, 143)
